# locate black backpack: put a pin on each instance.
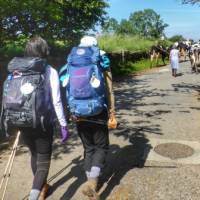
(27, 98)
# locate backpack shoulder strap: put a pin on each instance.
(63, 73)
(63, 69)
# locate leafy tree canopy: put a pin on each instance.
(110, 25)
(148, 23)
(176, 38)
(52, 19)
(125, 28)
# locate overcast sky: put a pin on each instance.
(182, 19)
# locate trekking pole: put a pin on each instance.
(9, 165)
(93, 121)
(89, 120)
(105, 184)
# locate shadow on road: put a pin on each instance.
(186, 87)
(75, 173)
(120, 160)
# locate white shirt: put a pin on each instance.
(174, 54)
(55, 90)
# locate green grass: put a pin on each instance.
(146, 64)
(126, 43)
(118, 43)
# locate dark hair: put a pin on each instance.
(36, 47)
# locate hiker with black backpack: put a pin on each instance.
(31, 101)
(88, 81)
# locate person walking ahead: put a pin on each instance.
(88, 81)
(174, 60)
(31, 100)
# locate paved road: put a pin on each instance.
(153, 108)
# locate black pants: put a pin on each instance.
(39, 143)
(95, 140)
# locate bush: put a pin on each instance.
(13, 48)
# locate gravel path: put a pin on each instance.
(153, 106)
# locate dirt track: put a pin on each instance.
(153, 108)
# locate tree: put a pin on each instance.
(125, 28)
(110, 25)
(147, 23)
(177, 38)
(52, 19)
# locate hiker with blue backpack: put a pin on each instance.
(88, 81)
(31, 101)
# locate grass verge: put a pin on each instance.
(134, 67)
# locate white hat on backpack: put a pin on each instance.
(88, 41)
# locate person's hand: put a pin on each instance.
(112, 122)
(64, 133)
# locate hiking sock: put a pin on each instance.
(95, 172)
(34, 194)
(43, 164)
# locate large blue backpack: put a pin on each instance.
(83, 67)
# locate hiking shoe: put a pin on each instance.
(112, 122)
(89, 189)
(44, 191)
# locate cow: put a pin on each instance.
(194, 55)
(158, 51)
(183, 47)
